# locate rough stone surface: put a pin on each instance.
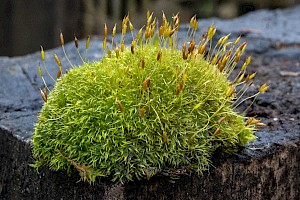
(268, 168)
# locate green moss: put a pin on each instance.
(133, 115)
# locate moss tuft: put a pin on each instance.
(144, 109)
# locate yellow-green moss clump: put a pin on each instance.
(145, 108)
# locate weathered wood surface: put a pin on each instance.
(266, 169)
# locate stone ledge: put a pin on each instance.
(266, 169)
(270, 174)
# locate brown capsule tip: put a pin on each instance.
(237, 40)
(229, 52)
(75, 41)
(124, 29)
(215, 59)
(263, 88)
(252, 75)
(204, 35)
(88, 40)
(195, 25)
(242, 47)
(45, 91)
(148, 14)
(158, 57)
(220, 40)
(165, 139)
(176, 20)
(217, 131)
(130, 26)
(184, 55)
(192, 21)
(179, 88)
(117, 52)
(184, 47)
(225, 38)
(109, 53)
(219, 63)
(139, 35)
(127, 18)
(172, 32)
(149, 19)
(224, 60)
(147, 33)
(143, 63)
(211, 31)
(237, 57)
(105, 30)
(201, 49)
(122, 46)
(59, 72)
(220, 120)
(221, 66)
(42, 54)
(57, 60)
(120, 106)
(247, 78)
(191, 46)
(104, 44)
(230, 92)
(133, 43)
(160, 31)
(146, 83)
(62, 41)
(44, 95)
(132, 49)
(114, 30)
(241, 78)
(164, 19)
(248, 60)
(252, 121)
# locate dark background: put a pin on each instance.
(27, 24)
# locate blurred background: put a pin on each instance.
(27, 24)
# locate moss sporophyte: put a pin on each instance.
(146, 108)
